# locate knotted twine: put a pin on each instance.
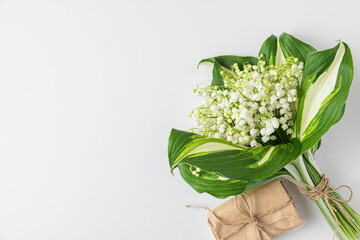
(323, 190)
(250, 218)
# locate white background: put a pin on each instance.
(89, 91)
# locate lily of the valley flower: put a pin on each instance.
(254, 104)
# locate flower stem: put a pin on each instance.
(350, 226)
(305, 169)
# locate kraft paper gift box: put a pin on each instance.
(261, 213)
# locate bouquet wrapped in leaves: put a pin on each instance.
(263, 118)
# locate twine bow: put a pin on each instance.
(250, 218)
(323, 190)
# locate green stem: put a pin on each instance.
(350, 226)
(305, 177)
(305, 169)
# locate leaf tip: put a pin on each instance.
(172, 170)
(209, 60)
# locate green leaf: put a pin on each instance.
(226, 61)
(232, 161)
(293, 47)
(324, 90)
(246, 164)
(269, 50)
(316, 147)
(218, 79)
(213, 184)
(275, 49)
(255, 184)
(182, 143)
(210, 183)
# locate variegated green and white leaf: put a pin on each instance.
(212, 183)
(220, 187)
(229, 160)
(183, 144)
(325, 87)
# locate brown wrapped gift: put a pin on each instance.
(261, 213)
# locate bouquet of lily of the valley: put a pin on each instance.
(263, 118)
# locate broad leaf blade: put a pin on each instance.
(325, 87)
(218, 187)
(178, 140)
(218, 79)
(246, 164)
(210, 183)
(255, 184)
(232, 161)
(226, 61)
(269, 50)
(183, 144)
(293, 47)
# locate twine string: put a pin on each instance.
(250, 218)
(323, 190)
